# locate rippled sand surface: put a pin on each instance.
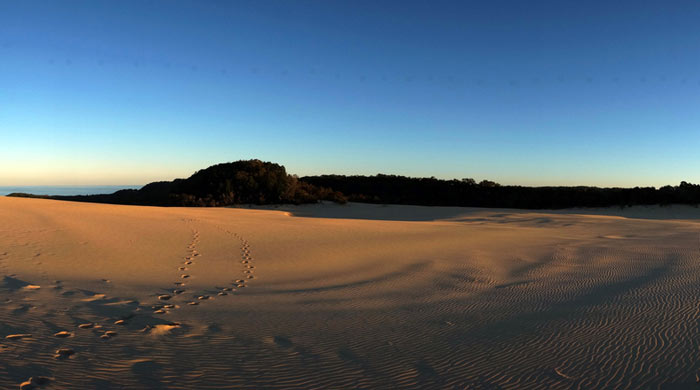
(111, 297)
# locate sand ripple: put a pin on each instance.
(581, 303)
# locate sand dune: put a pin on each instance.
(111, 297)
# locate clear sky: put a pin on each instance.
(521, 92)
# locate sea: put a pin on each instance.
(65, 190)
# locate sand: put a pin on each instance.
(355, 296)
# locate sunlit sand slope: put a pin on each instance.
(111, 297)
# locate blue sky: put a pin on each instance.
(535, 93)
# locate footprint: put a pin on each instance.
(63, 353)
(33, 382)
(18, 336)
(95, 297)
(161, 329)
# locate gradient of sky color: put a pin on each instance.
(521, 92)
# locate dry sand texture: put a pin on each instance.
(111, 297)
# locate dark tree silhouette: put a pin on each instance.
(258, 182)
(240, 182)
(392, 189)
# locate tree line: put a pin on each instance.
(227, 184)
(393, 189)
(258, 182)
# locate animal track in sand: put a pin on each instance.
(189, 265)
(192, 252)
(246, 259)
(188, 270)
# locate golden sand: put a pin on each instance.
(354, 296)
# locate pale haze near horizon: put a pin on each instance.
(552, 93)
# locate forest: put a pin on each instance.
(260, 183)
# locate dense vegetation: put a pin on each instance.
(240, 182)
(258, 182)
(392, 189)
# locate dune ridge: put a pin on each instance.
(476, 299)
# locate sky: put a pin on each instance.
(561, 92)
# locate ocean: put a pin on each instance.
(63, 190)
